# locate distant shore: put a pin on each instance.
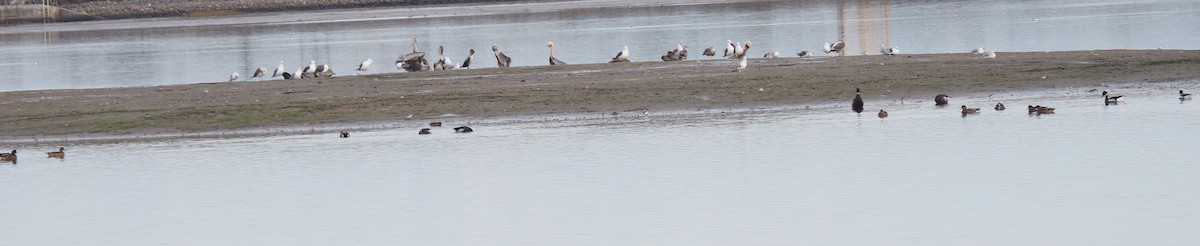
(130, 9)
(588, 89)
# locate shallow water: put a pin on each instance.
(189, 54)
(1090, 174)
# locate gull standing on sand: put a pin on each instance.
(730, 48)
(501, 59)
(977, 51)
(741, 66)
(467, 62)
(838, 47)
(553, 61)
(622, 56)
(362, 67)
(279, 71)
(310, 69)
(233, 77)
(771, 55)
(323, 70)
(259, 73)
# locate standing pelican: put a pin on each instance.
(806, 53)
(730, 48)
(745, 48)
(622, 56)
(741, 66)
(857, 104)
(233, 77)
(771, 55)
(553, 61)
(989, 54)
(501, 59)
(443, 63)
(414, 61)
(467, 62)
(259, 73)
(362, 67)
(279, 71)
(710, 51)
(838, 47)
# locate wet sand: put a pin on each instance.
(466, 95)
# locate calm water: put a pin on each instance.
(1089, 175)
(157, 56)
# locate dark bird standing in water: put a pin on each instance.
(857, 105)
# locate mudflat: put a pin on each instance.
(704, 83)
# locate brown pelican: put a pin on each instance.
(677, 54)
(362, 67)
(771, 55)
(966, 110)
(233, 76)
(414, 61)
(882, 114)
(467, 62)
(280, 70)
(838, 47)
(501, 59)
(553, 61)
(622, 56)
(710, 51)
(806, 53)
(857, 104)
(443, 62)
(741, 66)
(259, 73)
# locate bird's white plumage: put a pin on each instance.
(312, 67)
(741, 65)
(279, 70)
(977, 50)
(826, 48)
(233, 76)
(259, 73)
(730, 48)
(365, 64)
(989, 54)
